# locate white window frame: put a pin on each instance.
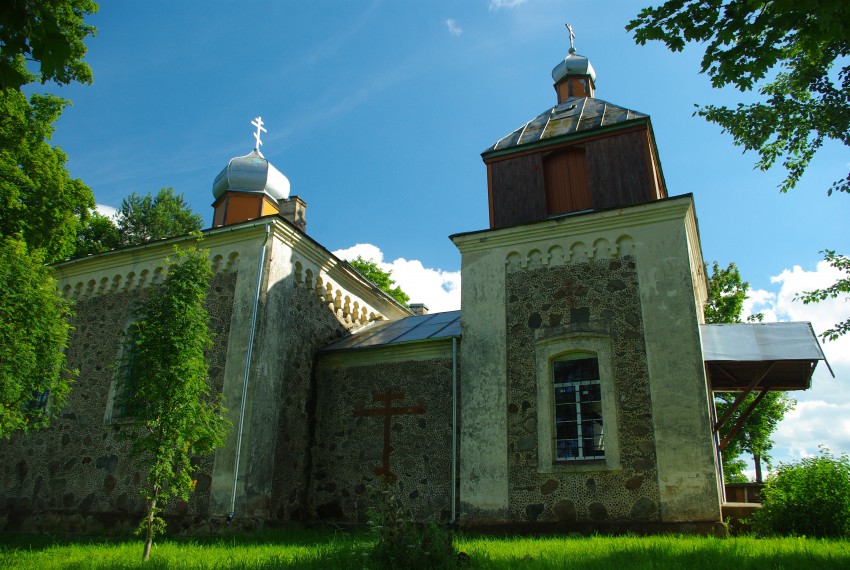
(586, 428)
(565, 346)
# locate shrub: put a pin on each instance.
(810, 497)
(401, 542)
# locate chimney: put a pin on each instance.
(293, 210)
(419, 309)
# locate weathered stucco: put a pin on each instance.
(310, 326)
(660, 239)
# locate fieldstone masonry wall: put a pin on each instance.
(350, 442)
(79, 464)
(310, 326)
(600, 294)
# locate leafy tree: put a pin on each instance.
(42, 206)
(806, 102)
(139, 219)
(98, 234)
(810, 497)
(383, 279)
(169, 397)
(840, 287)
(39, 199)
(49, 32)
(33, 333)
(726, 295)
(146, 218)
(795, 44)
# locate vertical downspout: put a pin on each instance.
(247, 370)
(454, 429)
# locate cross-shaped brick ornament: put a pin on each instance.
(388, 411)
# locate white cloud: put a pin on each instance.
(454, 29)
(437, 288)
(105, 210)
(822, 416)
(499, 4)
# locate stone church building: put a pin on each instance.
(573, 389)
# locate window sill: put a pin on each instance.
(580, 466)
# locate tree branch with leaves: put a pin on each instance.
(369, 269)
(837, 289)
(33, 335)
(797, 44)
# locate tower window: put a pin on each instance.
(579, 433)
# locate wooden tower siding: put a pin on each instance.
(603, 171)
(517, 190)
(565, 181)
(618, 168)
(573, 87)
(234, 207)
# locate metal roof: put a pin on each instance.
(575, 115)
(760, 341)
(785, 353)
(409, 329)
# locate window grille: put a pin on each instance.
(579, 431)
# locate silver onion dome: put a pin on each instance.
(574, 64)
(252, 174)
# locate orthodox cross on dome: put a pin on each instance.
(572, 39)
(388, 411)
(258, 122)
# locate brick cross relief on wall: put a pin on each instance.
(388, 411)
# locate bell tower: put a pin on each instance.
(582, 154)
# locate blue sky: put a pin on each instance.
(377, 112)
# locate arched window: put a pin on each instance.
(579, 428)
(123, 381)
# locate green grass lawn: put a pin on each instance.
(329, 550)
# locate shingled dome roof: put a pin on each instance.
(576, 115)
(253, 174)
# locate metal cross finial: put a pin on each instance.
(258, 122)
(572, 39)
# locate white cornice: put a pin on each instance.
(591, 222)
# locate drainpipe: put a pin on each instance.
(454, 430)
(247, 370)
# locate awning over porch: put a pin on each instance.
(764, 356)
(757, 357)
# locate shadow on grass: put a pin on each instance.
(292, 536)
(327, 549)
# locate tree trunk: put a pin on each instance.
(757, 461)
(149, 524)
